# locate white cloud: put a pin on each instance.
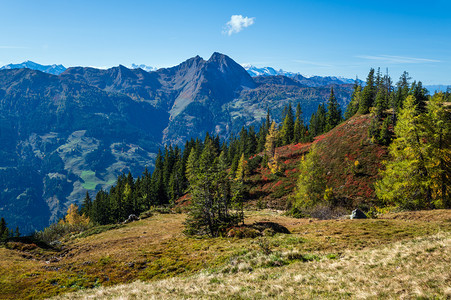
(398, 59)
(237, 23)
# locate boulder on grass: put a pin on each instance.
(131, 218)
(358, 214)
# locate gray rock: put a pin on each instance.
(358, 214)
(131, 218)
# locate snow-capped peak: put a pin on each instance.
(144, 67)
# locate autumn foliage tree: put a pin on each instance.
(418, 175)
(311, 185)
(74, 218)
(270, 149)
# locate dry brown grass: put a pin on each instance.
(155, 249)
(408, 269)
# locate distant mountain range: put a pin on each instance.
(252, 70)
(51, 69)
(319, 80)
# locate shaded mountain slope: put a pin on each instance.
(62, 137)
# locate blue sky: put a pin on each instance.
(318, 37)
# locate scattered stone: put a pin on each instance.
(130, 219)
(358, 214)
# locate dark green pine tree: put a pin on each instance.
(263, 131)
(17, 232)
(4, 231)
(158, 188)
(234, 148)
(402, 90)
(177, 182)
(381, 103)
(299, 128)
(128, 196)
(333, 114)
(210, 191)
(420, 93)
(251, 143)
(115, 201)
(379, 80)
(86, 206)
(368, 94)
(384, 134)
(243, 137)
(287, 131)
(353, 106)
(102, 209)
(318, 121)
(201, 175)
(145, 191)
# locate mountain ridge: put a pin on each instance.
(51, 69)
(312, 80)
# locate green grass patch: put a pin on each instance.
(90, 180)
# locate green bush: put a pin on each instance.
(55, 232)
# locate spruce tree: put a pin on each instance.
(381, 103)
(86, 206)
(402, 90)
(299, 129)
(420, 93)
(251, 143)
(158, 187)
(318, 121)
(353, 106)
(333, 114)
(4, 231)
(368, 94)
(210, 193)
(261, 139)
(384, 133)
(17, 232)
(287, 131)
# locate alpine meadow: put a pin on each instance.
(314, 162)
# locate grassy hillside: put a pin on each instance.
(350, 159)
(315, 253)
